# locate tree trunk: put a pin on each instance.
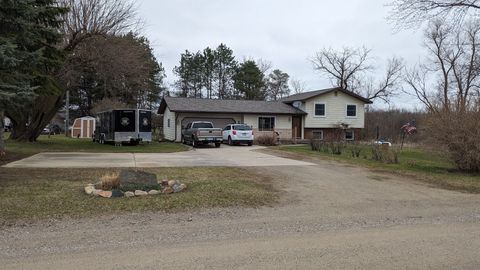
(2, 129)
(43, 110)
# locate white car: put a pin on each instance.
(238, 133)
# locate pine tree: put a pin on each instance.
(249, 81)
(28, 38)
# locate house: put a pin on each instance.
(317, 114)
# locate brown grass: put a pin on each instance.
(30, 194)
(110, 181)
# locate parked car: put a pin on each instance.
(237, 134)
(201, 132)
(383, 142)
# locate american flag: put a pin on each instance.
(410, 127)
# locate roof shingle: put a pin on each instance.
(178, 104)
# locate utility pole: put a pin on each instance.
(67, 107)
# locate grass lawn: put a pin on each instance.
(30, 194)
(61, 143)
(429, 166)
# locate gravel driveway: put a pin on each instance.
(228, 156)
(332, 216)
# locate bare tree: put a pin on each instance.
(411, 13)
(349, 67)
(297, 86)
(453, 67)
(89, 18)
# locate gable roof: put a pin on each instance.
(178, 104)
(307, 95)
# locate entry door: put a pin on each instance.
(296, 127)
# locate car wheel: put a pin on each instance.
(230, 142)
(250, 143)
(194, 144)
(217, 145)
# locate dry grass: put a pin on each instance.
(110, 181)
(28, 194)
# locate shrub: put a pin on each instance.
(385, 153)
(355, 150)
(268, 140)
(110, 181)
(459, 133)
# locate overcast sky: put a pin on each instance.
(285, 32)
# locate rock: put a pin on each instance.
(133, 180)
(153, 192)
(177, 188)
(167, 190)
(164, 183)
(105, 194)
(183, 186)
(171, 183)
(89, 189)
(96, 192)
(117, 193)
(129, 194)
(140, 193)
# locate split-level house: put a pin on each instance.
(320, 114)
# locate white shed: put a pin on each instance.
(83, 127)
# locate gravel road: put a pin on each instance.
(331, 216)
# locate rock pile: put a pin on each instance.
(135, 184)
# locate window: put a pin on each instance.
(168, 122)
(351, 110)
(349, 135)
(317, 134)
(228, 127)
(266, 123)
(241, 127)
(319, 109)
(202, 125)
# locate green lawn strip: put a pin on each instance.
(60, 143)
(428, 166)
(29, 194)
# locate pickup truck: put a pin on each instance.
(200, 132)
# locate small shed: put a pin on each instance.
(83, 127)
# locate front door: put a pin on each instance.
(296, 127)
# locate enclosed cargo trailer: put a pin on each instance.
(123, 126)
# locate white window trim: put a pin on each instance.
(267, 116)
(356, 111)
(353, 135)
(320, 116)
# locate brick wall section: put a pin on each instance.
(284, 134)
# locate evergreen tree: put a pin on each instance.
(249, 81)
(225, 66)
(28, 38)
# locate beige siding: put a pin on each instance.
(283, 125)
(335, 111)
(169, 132)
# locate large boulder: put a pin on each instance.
(131, 179)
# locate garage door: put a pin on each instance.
(217, 122)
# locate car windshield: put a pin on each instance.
(202, 125)
(242, 127)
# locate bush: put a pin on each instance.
(355, 150)
(385, 153)
(110, 181)
(267, 140)
(459, 134)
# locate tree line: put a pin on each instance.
(215, 73)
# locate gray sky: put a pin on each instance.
(284, 32)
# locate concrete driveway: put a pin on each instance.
(229, 156)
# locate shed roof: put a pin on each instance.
(311, 94)
(178, 104)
